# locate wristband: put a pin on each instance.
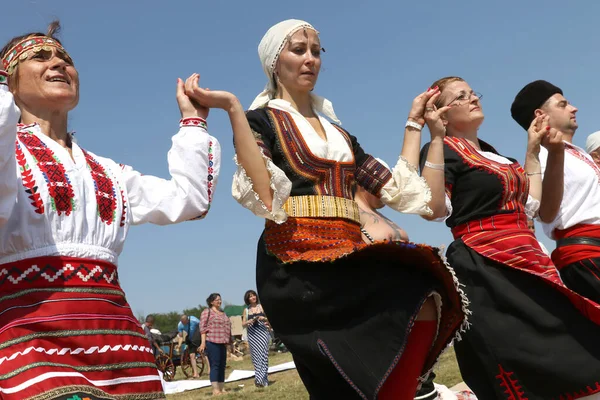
(439, 167)
(413, 124)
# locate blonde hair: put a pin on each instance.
(442, 83)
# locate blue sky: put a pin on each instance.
(378, 58)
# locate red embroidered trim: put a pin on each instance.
(209, 180)
(513, 389)
(329, 177)
(106, 196)
(210, 171)
(577, 154)
(59, 185)
(58, 271)
(28, 181)
(588, 391)
(124, 213)
(196, 121)
(512, 176)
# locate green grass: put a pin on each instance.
(287, 385)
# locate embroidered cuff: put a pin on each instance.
(194, 121)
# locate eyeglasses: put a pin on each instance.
(464, 96)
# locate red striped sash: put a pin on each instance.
(565, 255)
(506, 239)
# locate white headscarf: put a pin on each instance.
(592, 142)
(269, 49)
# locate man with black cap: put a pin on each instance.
(576, 225)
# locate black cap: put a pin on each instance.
(529, 99)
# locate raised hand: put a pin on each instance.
(540, 133)
(433, 115)
(553, 140)
(536, 133)
(208, 98)
(187, 106)
(417, 110)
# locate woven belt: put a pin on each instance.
(590, 241)
(322, 207)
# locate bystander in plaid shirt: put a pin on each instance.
(216, 325)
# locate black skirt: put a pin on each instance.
(583, 277)
(526, 340)
(346, 322)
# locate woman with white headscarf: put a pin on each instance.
(361, 320)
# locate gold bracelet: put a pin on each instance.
(533, 173)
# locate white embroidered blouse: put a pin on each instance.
(406, 192)
(581, 195)
(52, 204)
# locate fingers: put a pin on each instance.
(189, 85)
(180, 88)
(442, 110)
(554, 136)
(433, 94)
(536, 124)
(425, 96)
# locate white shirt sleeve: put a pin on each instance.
(194, 163)
(532, 206)
(407, 192)
(9, 117)
(243, 192)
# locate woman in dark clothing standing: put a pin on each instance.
(530, 336)
(298, 170)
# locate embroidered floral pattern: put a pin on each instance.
(124, 213)
(59, 185)
(28, 181)
(106, 196)
(209, 179)
(199, 122)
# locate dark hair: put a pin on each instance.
(53, 30)
(150, 318)
(247, 297)
(212, 298)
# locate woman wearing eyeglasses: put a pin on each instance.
(530, 337)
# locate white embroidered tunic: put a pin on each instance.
(581, 196)
(405, 192)
(55, 205)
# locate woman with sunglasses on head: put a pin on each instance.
(530, 337)
(362, 321)
(66, 327)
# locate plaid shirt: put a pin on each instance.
(216, 325)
